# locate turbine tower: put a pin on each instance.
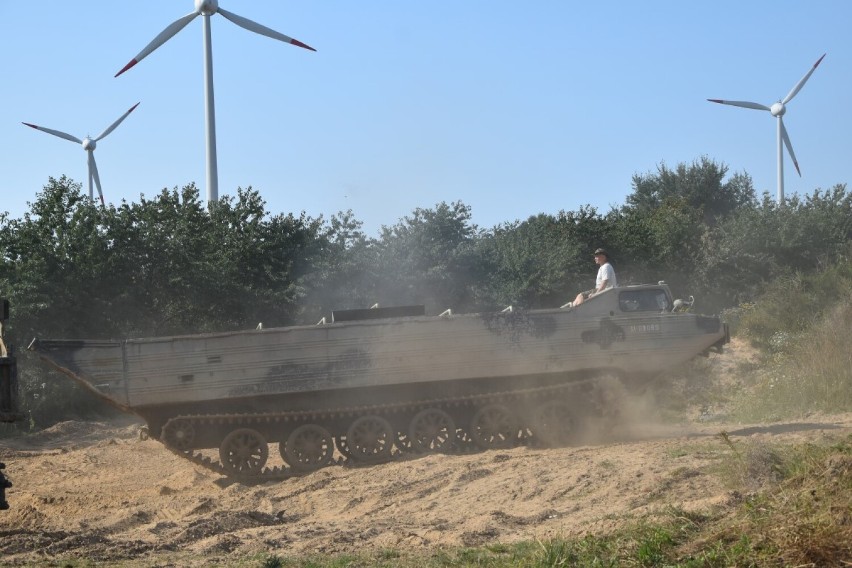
(207, 8)
(89, 144)
(777, 110)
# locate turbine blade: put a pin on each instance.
(262, 30)
(787, 143)
(744, 104)
(55, 133)
(93, 173)
(164, 36)
(801, 83)
(116, 123)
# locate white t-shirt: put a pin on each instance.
(606, 272)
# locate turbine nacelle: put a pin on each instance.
(778, 109)
(89, 144)
(206, 7)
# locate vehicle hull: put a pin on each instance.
(329, 365)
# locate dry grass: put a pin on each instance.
(795, 507)
(810, 372)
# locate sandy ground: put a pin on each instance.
(98, 491)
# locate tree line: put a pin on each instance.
(169, 265)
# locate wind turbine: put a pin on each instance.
(207, 8)
(89, 145)
(777, 110)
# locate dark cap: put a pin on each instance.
(601, 251)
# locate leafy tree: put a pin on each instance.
(51, 268)
(661, 228)
(160, 257)
(663, 243)
(344, 272)
(765, 242)
(699, 185)
(427, 258)
(535, 263)
(53, 260)
(260, 264)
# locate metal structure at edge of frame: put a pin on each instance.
(8, 392)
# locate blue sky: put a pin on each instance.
(514, 108)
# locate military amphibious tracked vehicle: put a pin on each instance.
(377, 382)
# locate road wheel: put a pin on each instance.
(370, 439)
(179, 434)
(309, 447)
(494, 426)
(244, 451)
(432, 430)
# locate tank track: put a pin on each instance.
(278, 473)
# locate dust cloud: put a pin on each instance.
(624, 415)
